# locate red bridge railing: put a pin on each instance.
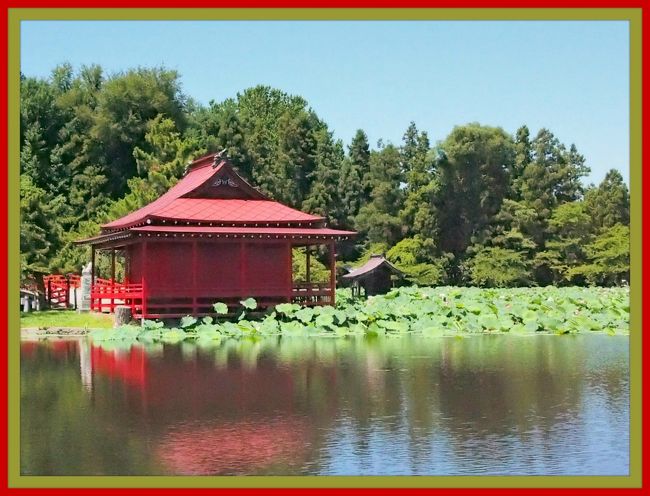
(106, 294)
(58, 288)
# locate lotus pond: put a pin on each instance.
(421, 381)
(442, 311)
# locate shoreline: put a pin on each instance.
(54, 331)
(78, 332)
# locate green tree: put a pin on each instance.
(523, 150)
(324, 197)
(379, 219)
(511, 228)
(553, 175)
(569, 229)
(38, 228)
(474, 180)
(608, 257)
(419, 214)
(609, 203)
(497, 267)
(354, 179)
(126, 106)
(416, 258)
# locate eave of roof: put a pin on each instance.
(246, 231)
(223, 232)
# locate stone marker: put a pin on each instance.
(86, 279)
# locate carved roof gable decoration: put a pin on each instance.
(226, 183)
(209, 197)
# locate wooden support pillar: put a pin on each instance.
(112, 280)
(143, 266)
(127, 264)
(113, 264)
(289, 263)
(332, 250)
(194, 269)
(308, 264)
(243, 266)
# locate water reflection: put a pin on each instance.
(482, 405)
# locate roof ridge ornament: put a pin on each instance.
(187, 167)
(219, 157)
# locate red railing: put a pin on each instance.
(312, 294)
(171, 302)
(58, 287)
(106, 294)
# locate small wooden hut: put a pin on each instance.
(211, 237)
(375, 276)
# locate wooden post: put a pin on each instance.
(113, 264)
(332, 272)
(144, 270)
(122, 315)
(67, 291)
(112, 280)
(49, 293)
(289, 262)
(126, 255)
(242, 269)
(307, 266)
(194, 269)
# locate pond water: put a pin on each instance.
(484, 405)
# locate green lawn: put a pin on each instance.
(65, 318)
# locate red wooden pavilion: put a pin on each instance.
(211, 237)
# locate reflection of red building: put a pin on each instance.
(199, 417)
(28, 348)
(234, 447)
(213, 420)
(61, 348)
(129, 366)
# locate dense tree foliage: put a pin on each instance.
(479, 206)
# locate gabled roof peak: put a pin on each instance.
(215, 159)
(213, 191)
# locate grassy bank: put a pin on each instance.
(65, 318)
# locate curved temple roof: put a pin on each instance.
(212, 191)
(212, 199)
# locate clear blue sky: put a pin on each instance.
(571, 77)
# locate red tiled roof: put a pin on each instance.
(192, 180)
(172, 206)
(214, 210)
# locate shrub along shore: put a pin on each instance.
(440, 311)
